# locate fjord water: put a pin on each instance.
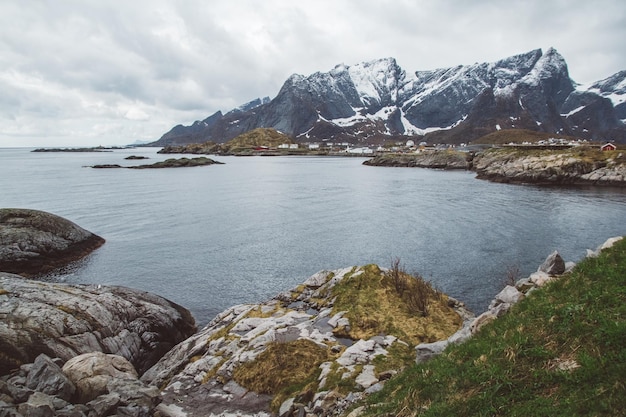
(214, 236)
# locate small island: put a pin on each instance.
(168, 163)
(93, 149)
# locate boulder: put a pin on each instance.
(509, 295)
(92, 372)
(426, 351)
(46, 377)
(64, 321)
(34, 242)
(38, 405)
(553, 265)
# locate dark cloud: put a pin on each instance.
(73, 71)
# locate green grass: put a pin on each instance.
(559, 352)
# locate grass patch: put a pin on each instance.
(559, 352)
(283, 369)
(374, 305)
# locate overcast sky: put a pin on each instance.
(88, 73)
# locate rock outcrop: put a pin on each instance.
(566, 167)
(64, 321)
(447, 159)
(249, 358)
(33, 242)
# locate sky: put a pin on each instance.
(111, 73)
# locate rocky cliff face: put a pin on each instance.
(67, 320)
(34, 242)
(376, 100)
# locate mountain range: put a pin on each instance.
(376, 101)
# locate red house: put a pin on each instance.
(608, 147)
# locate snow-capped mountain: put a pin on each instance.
(377, 100)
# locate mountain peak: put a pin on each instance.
(375, 100)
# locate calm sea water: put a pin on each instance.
(211, 237)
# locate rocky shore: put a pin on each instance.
(567, 167)
(315, 350)
(519, 165)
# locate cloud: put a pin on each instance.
(114, 72)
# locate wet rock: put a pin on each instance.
(34, 242)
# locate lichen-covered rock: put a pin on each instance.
(34, 242)
(64, 321)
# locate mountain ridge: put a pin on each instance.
(375, 101)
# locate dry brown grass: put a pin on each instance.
(281, 365)
(373, 306)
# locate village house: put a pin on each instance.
(608, 147)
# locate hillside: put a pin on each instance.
(242, 144)
(559, 352)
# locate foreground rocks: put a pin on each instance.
(238, 363)
(64, 321)
(34, 242)
(93, 385)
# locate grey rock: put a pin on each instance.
(8, 410)
(133, 411)
(481, 321)
(46, 376)
(38, 405)
(553, 265)
(17, 390)
(64, 321)
(509, 295)
(286, 407)
(103, 405)
(34, 242)
(427, 351)
(367, 377)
